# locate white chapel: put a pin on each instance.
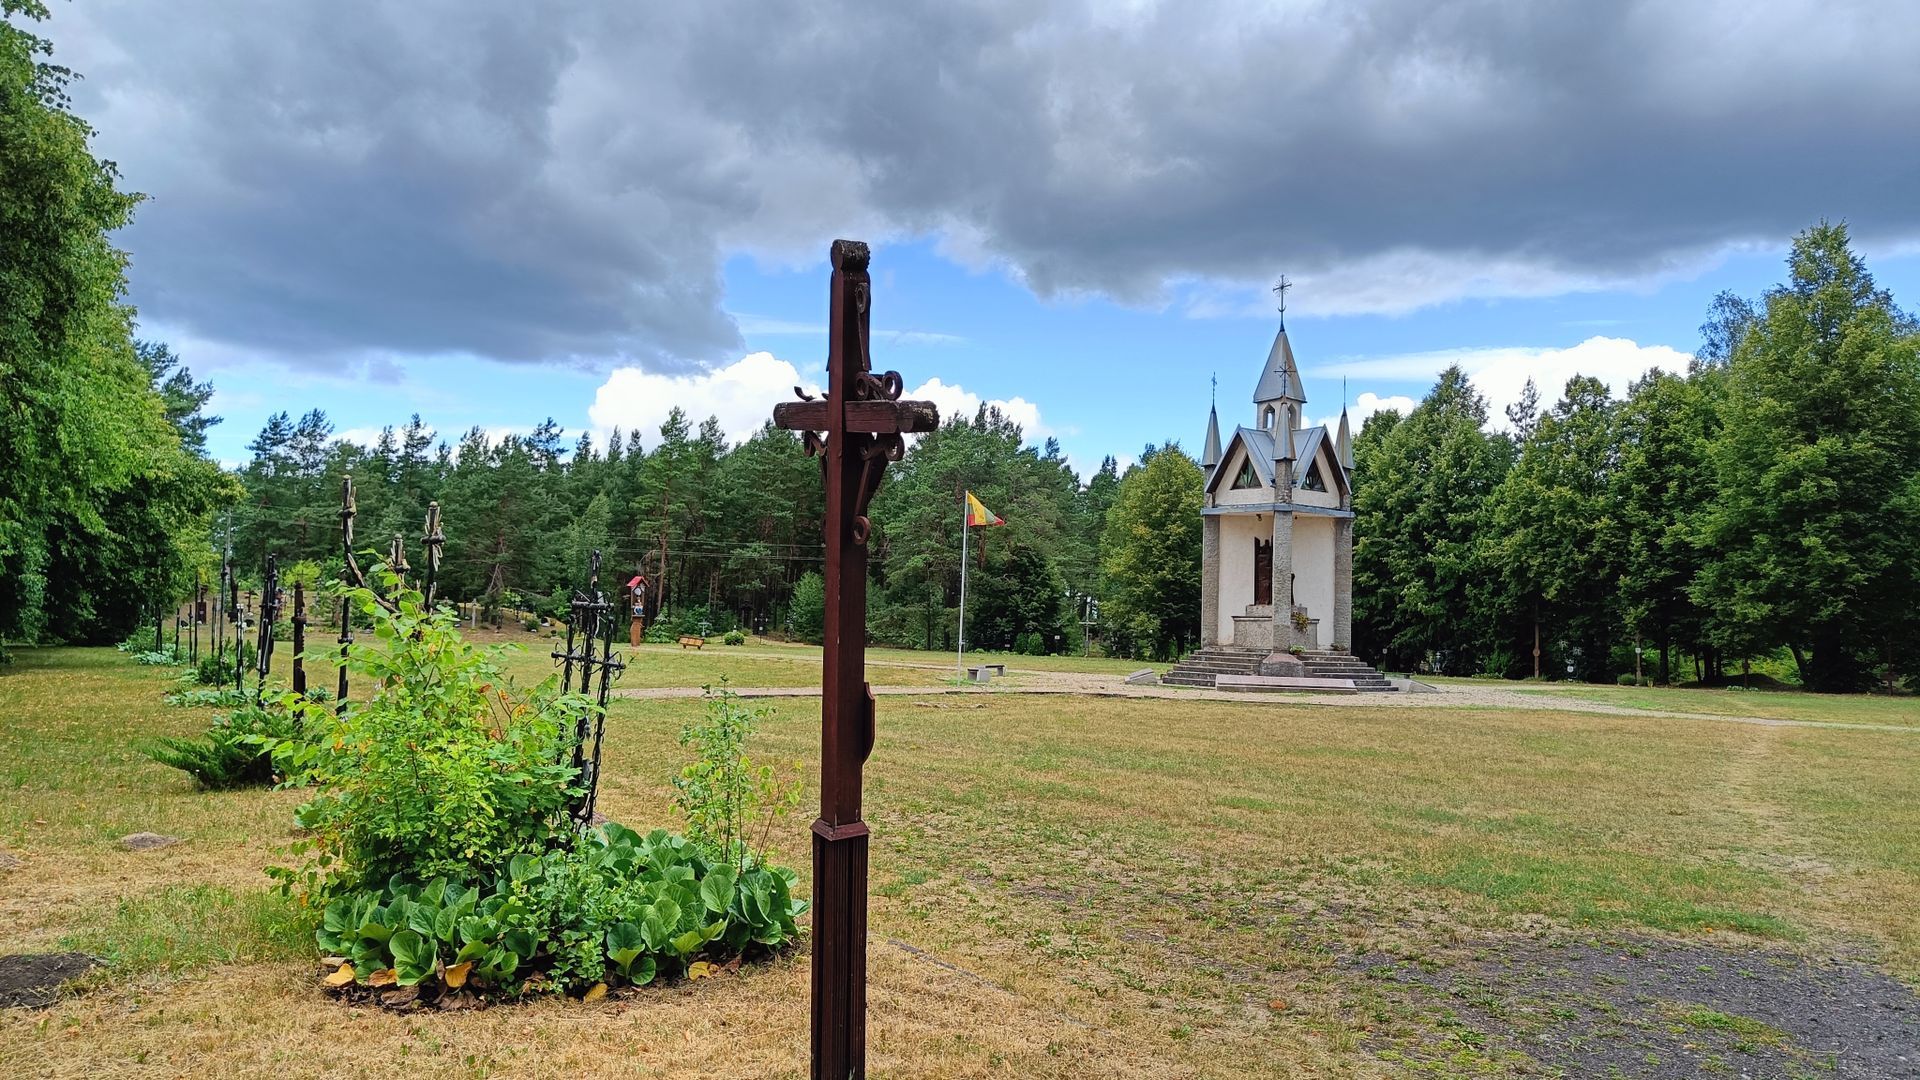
(1277, 545)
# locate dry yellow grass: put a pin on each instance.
(1062, 886)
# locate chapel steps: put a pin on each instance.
(1204, 667)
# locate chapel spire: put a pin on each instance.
(1210, 456)
(1279, 392)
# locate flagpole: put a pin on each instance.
(960, 646)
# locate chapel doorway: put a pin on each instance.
(1263, 571)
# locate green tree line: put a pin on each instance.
(729, 534)
(1765, 503)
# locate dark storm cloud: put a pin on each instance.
(531, 181)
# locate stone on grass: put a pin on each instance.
(1143, 677)
(33, 980)
(147, 841)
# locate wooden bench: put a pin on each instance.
(692, 641)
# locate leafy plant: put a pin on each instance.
(446, 771)
(231, 754)
(217, 670)
(217, 697)
(721, 792)
(735, 637)
(616, 906)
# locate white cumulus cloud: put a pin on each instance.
(741, 395)
(956, 400)
(1501, 374)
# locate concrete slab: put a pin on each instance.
(1280, 684)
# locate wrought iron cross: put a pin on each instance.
(1280, 290)
(856, 430)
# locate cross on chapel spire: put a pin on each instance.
(1280, 290)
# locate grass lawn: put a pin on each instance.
(1902, 710)
(761, 662)
(1062, 886)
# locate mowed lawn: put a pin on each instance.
(1062, 886)
(765, 663)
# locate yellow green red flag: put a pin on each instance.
(978, 514)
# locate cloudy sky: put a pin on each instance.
(492, 212)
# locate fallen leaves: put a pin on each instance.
(342, 976)
(456, 976)
(383, 977)
(595, 993)
(700, 969)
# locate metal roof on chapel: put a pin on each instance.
(1280, 379)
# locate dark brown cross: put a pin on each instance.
(856, 430)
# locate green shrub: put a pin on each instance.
(721, 792)
(162, 657)
(219, 697)
(660, 634)
(447, 771)
(217, 669)
(735, 637)
(531, 624)
(232, 753)
(616, 907)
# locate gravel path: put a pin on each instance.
(1092, 685)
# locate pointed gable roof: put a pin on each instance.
(1280, 379)
(1257, 443)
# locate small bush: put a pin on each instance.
(659, 634)
(232, 753)
(735, 637)
(163, 657)
(217, 669)
(531, 624)
(447, 771)
(721, 792)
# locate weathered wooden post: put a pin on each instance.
(346, 608)
(857, 430)
(239, 619)
(199, 613)
(269, 613)
(432, 539)
(299, 638)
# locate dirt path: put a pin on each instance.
(1092, 685)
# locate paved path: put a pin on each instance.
(1093, 685)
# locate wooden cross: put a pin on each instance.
(856, 430)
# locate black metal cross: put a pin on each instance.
(856, 430)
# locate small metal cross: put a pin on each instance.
(1281, 291)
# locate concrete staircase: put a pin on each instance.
(1200, 668)
(1327, 664)
(1203, 667)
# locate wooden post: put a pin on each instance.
(299, 638)
(858, 429)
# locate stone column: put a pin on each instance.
(1343, 584)
(1283, 632)
(1209, 580)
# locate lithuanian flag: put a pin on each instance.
(978, 514)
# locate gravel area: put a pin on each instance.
(1652, 1008)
